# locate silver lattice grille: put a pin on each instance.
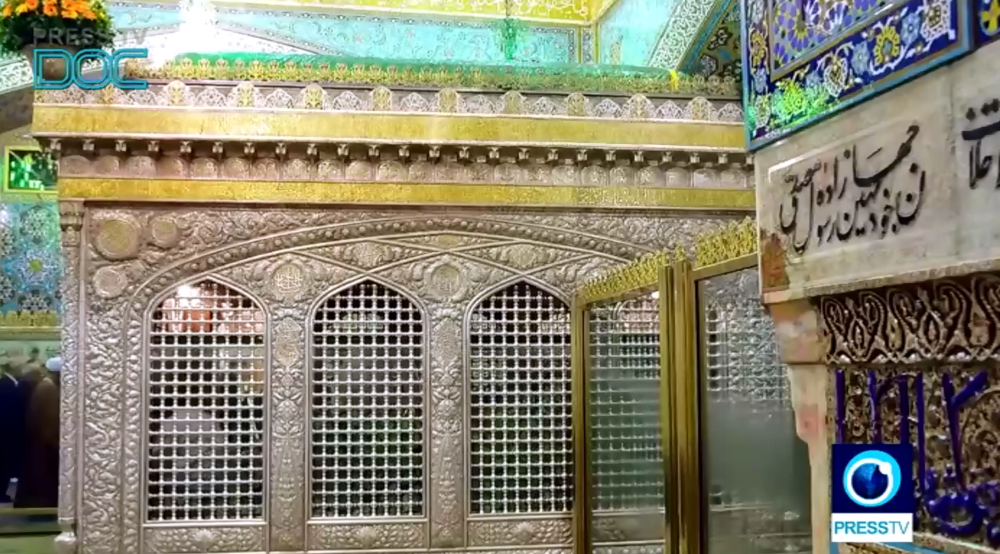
(368, 405)
(520, 408)
(206, 414)
(743, 362)
(625, 406)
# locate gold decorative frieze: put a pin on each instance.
(18, 321)
(416, 163)
(441, 194)
(298, 125)
(313, 69)
(247, 95)
(733, 241)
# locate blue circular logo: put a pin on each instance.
(871, 478)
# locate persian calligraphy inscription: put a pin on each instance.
(867, 197)
(900, 189)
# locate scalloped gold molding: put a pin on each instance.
(732, 241)
(315, 126)
(449, 194)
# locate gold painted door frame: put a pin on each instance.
(676, 285)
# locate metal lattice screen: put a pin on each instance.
(206, 406)
(757, 471)
(520, 404)
(368, 405)
(624, 360)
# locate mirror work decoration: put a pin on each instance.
(30, 257)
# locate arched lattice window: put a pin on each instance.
(520, 405)
(368, 405)
(206, 406)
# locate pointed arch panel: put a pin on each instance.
(205, 401)
(520, 404)
(368, 405)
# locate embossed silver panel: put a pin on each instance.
(368, 405)
(519, 409)
(290, 258)
(205, 406)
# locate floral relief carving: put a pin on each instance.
(288, 406)
(246, 95)
(523, 256)
(949, 320)
(287, 278)
(518, 533)
(71, 221)
(205, 540)
(366, 255)
(368, 536)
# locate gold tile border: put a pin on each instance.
(305, 125)
(441, 194)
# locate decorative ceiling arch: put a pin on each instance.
(682, 29)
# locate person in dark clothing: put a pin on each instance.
(11, 427)
(38, 484)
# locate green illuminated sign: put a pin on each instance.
(28, 169)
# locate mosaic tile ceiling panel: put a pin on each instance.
(32, 263)
(630, 29)
(398, 38)
(807, 59)
(717, 49)
(566, 10)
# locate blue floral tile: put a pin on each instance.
(805, 60)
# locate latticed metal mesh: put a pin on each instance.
(206, 406)
(625, 406)
(742, 353)
(368, 405)
(520, 405)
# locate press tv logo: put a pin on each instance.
(872, 493)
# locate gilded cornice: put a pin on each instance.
(318, 126)
(732, 241)
(437, 194)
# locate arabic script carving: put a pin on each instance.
(834, 201)
(952, 418)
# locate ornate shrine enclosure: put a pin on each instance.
(287, 282)
(304, 318)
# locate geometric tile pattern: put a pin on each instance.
(717, 49)
(804, 60)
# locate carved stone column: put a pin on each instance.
(71, 223)
(799, 337)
